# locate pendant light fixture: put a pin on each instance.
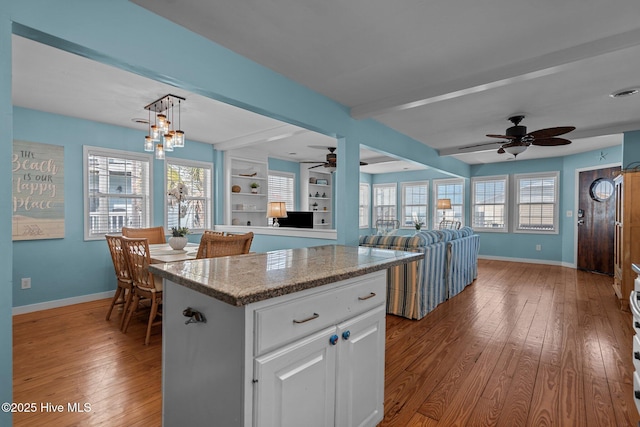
(161, 135)
(148, 140)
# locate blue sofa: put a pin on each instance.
(450, 263)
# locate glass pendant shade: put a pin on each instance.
(148, 143)
(516, 149)
(155, 133)
(168, 142)
(162, 120)
(178, 139)
(159, 152)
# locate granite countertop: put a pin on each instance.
(244, 279)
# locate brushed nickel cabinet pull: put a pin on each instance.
(371, 295)
(315, 316)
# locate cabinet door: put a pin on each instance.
(296, 384)
(360, 370)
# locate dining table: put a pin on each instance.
(162, 252)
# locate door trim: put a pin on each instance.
(574, 223)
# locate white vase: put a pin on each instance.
(177, 243)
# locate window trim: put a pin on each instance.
(555, 175)
(474, 180)
(374, 214)
(110, 152)
(403, 202)
(449, 181)
(209, 199)
(367, 205)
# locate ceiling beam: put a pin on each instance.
(273, 134)
(521, 71)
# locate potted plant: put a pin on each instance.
(417, 223)
(178, 194)
(254, 187)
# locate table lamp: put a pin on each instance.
(444, 204)
(276, 210)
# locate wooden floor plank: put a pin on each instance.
(525, 344)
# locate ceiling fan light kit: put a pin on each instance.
(519, 139)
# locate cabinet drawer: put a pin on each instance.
(294, 318)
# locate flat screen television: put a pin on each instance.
(297, 219)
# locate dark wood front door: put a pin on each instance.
(596, 214)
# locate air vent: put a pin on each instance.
(625, 92)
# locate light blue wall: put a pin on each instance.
(631, 150)
(557, 248)
(6, 258)
(46, 262)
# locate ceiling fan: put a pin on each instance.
(331, 160)
(520, 139)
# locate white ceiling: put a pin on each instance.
(444, 72)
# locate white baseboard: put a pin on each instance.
(60, 302)
(528, 261)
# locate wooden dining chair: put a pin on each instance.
(214, 233)
(154, 235)
(124, 289)
(213, 246)
(145, 285)
(447, 224)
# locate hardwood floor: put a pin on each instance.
(525, 345)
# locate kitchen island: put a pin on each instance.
(285, 338)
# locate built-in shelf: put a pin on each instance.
(241, 172)
(317, 198)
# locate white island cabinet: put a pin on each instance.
(312, 358)
(270, 355)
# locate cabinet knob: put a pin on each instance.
(636, 355)
(636, 393)
(346, 335)
(637, 324)
(333, 340)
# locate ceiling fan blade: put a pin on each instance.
(317, 166)
(312, 162)
(550, 132)
(501, 136)
(363, 163)
(550, 142)
(501, 150)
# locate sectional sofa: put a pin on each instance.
(450, 263)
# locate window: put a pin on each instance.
(452, 189)
(489, 199)
(364, 206)
(281, 188)
(195, 211)
(536, 207)
(117, 191)
(384, 202)
(414, 203)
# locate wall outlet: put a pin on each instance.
(538, 247)
(26, 283)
